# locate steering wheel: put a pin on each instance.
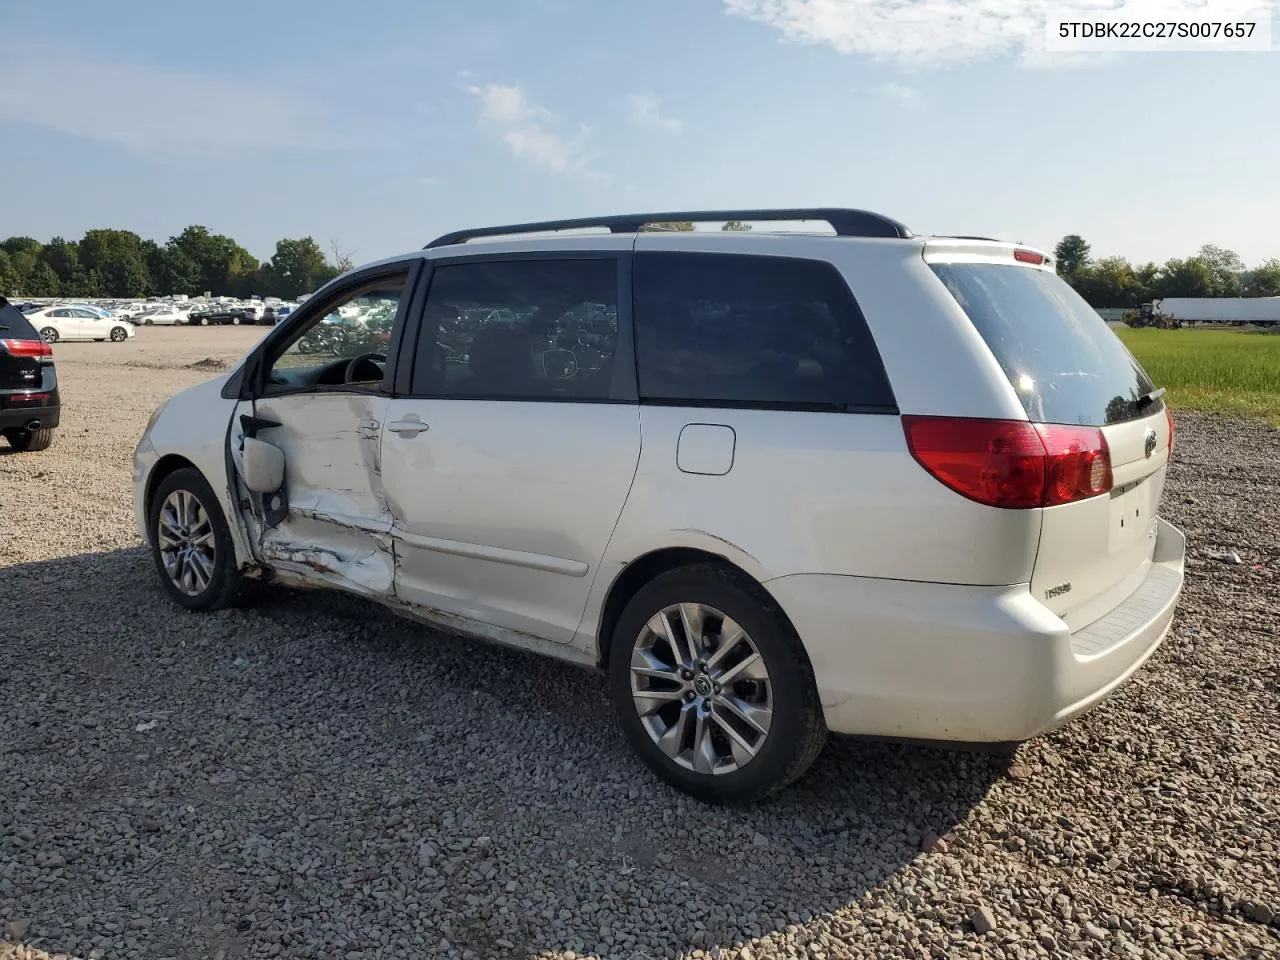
(353, 368)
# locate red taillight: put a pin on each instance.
(1028, 256)
(27, 348)
(1168, 415)
(1012, 463)
(27, 398)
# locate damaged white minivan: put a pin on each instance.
(775, 483)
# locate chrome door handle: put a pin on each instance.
(411, 426)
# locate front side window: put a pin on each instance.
(347, 343)
(756, 331)
(520, 330)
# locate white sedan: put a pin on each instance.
(164, 316)
(79, 323)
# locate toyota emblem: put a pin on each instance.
(1149, 443)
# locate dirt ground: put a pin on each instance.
(306, 777)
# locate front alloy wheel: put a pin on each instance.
(118, 334)
(191, 544)
(185, 535)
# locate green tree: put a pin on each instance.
(119, 259)
(9, 282)
(222, 266)
(1227, 268)
(1262, 281)
(42, 282)
(1192, 277)
(1109, 282)
(668, 226)
(736, 226)
(24, 253)
(1071, 253)
(63, 257)
(299, 266)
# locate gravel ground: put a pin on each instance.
(309, 778)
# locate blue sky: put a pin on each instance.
(381, 125)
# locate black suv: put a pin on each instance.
(29, 404)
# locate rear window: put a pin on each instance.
(1063, 361)
(13, 325)
(755, 331)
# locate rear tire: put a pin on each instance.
(191, 544)
(750, 674)
(49, 335)
(29, 441)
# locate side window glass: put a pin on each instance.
(752, 330)
(346, 343)
(520, 329)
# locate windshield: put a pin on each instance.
(1062, 359)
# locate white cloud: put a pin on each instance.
(530, 130)
(646, 111)
(158, 110)
(944, 32)
(908, 97)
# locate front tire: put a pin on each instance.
(204, 321)
(49, 335)
(730, 717)
(191, 544)
(119, 334)
(29, 441)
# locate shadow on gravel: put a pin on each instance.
(309, 776)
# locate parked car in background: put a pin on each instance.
(164, 316)
(268, 316)
(721, 467)
(79, 323)
(29, 402)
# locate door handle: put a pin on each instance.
(411, 425)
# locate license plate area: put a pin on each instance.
(1133, 515)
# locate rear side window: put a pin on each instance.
(734, 330)
(13, 325)
(519, 330)
(1063, 361)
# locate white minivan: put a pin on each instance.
(776, 484)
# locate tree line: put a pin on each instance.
(1114, 282)
(121, 264)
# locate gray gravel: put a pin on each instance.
(309, 778)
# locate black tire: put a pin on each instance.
(30, 441)
(119, 334)
(235, 321)
(49, 335)
(797, 731)
(204, 321)
(146, 322)
(225, 581)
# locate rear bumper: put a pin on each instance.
(20, 415)
(931, 661)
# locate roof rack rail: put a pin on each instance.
(846, 223)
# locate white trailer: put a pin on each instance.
(1260, 311)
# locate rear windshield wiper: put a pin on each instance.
(1148, 398)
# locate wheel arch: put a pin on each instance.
(647, 567)
(169, 464)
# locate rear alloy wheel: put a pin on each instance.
(49, 335)
(191, 544)
(118, 334)
(712, 686)
(29, 441)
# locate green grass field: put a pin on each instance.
(1222, 371)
